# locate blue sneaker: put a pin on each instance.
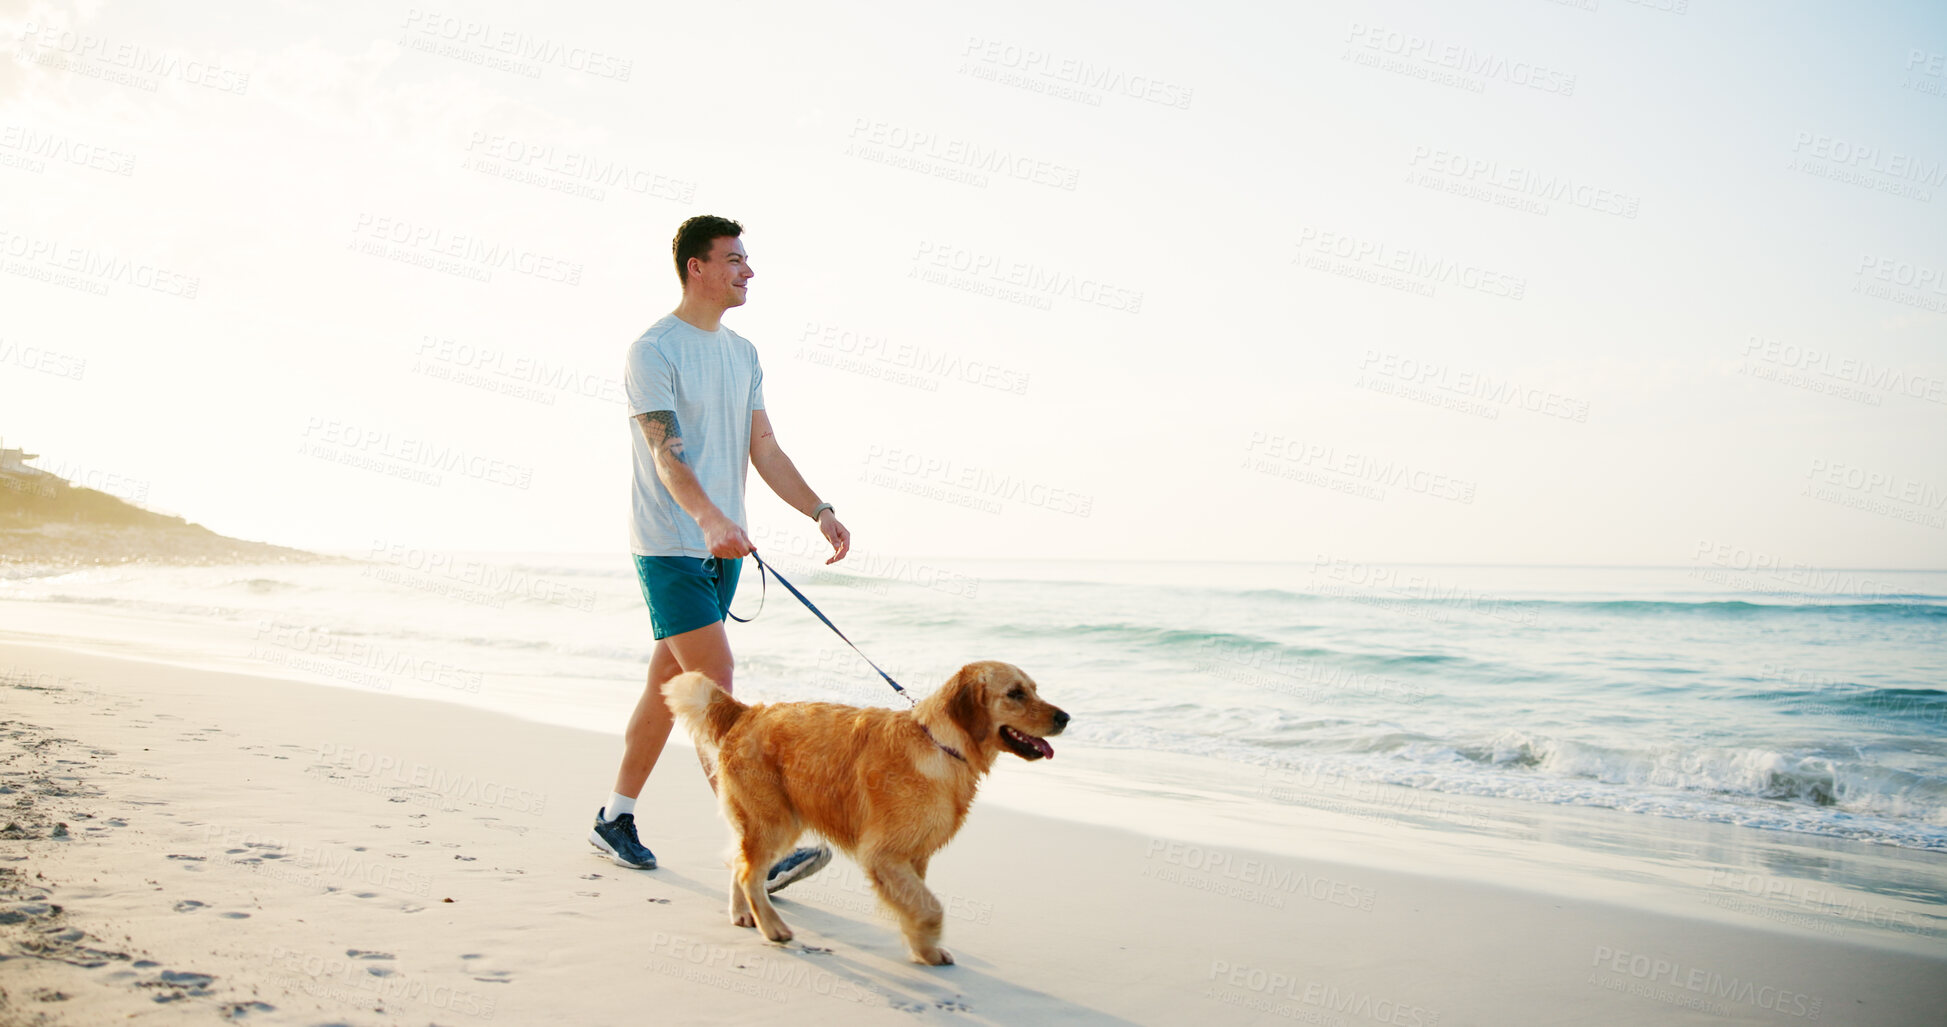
(616, 839)
(797, 866)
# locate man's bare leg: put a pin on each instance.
(706, 649)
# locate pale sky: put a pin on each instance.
(1505, 282)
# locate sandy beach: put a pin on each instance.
(187, 845)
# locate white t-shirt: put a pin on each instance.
(711, 381)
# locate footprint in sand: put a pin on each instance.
(234, 916)
(191, 859)
(496, 977)
(190, 906)
(176, 985)
(369, 954)
(240, 1010)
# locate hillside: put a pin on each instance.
(46, 521)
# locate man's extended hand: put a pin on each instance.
(836, 534)
(724, 539)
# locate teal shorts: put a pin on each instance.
(686, 592)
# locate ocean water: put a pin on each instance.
(1732, 691)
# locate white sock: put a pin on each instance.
(618, 804)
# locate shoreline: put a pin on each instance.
(1868, 892)
(289, 860)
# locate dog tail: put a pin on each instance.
(706, 710)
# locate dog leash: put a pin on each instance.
(764, 569)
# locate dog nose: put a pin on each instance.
(1061, 719)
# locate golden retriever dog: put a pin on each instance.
(887, 787)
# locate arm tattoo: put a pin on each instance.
(672, 433)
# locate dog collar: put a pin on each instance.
(948, 749)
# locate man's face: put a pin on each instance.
(725, 277)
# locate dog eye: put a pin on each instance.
(1017, 694)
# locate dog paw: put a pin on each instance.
(934, 957)
(743, 920)
(781, 935)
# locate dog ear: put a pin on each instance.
(966, 703)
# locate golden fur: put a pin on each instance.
(869, 780)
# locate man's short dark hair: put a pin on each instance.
(695, 237)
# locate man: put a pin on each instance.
(696, 395)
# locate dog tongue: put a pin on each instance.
(1047, 751)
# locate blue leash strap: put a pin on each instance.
(765, 568)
